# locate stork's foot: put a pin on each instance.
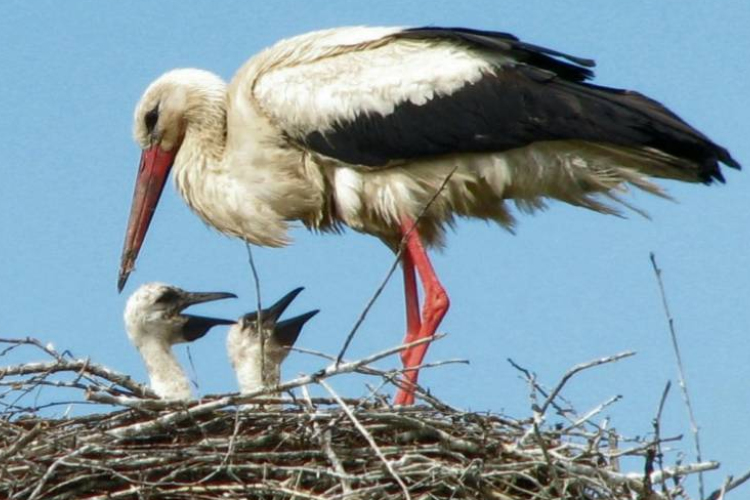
(436, 305)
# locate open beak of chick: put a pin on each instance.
(283, 333)
(197, 326)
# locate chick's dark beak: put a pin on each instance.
(192, 298)
(197, 326)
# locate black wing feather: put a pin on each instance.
(510, 45)
(539, 99)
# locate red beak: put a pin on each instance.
(152, 175)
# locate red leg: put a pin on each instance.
(436, 304)
(413, 320)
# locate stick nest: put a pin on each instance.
(304, 448)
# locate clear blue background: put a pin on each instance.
(570, 286)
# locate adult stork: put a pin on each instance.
(259, 343)
(154, 322)
(362, 126)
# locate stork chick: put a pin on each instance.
(258, 343)
(154, 322)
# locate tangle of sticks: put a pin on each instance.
(300, 446)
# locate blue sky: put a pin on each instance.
(570, 286)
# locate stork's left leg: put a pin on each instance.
(436, 304)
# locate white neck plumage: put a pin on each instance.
(168, 380)
(219, 188)
(253, 374)
(204, 141)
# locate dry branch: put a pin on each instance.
(680, 369)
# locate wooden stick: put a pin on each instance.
(683, 382)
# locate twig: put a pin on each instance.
(163, 404)
(436, 364)
(47, 348)
(660, 409)
(367, 437)
(683, 470)
(728, 486)
(194, 378)
(259, 319)
(51, 470)
(531, 379)
(391, 269)
(422, 426)
(325, 440)
(535, 426)
(21, 442)
(640, 449)
(579, 368)
(634, 480)
(683, 382)
(193, 490)
(75, 365)
(590, 414)
(657, 433)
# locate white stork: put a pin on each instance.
(256, 351)
(154, 322)
(361, 126)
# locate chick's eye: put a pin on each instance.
(151, 118)
(167, 296)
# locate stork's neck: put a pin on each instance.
(234, 168)
(204, 142)
(168, 380)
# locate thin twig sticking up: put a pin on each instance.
(683, 383)
(259, 323)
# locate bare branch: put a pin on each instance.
(728, 486)
(683, 382)
(75, 366)
(259, 323)
(579, 368)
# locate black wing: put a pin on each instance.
(542, 97)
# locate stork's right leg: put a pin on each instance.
(413, 321)
(436, 304)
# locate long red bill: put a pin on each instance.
(152, 175)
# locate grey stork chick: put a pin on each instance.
(258, 343)
(154, 322)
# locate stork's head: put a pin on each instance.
(155, 310)
(280, 336)
(171, 105)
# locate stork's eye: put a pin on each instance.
(167, 296)
(151, 118)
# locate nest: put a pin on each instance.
(304, 447)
